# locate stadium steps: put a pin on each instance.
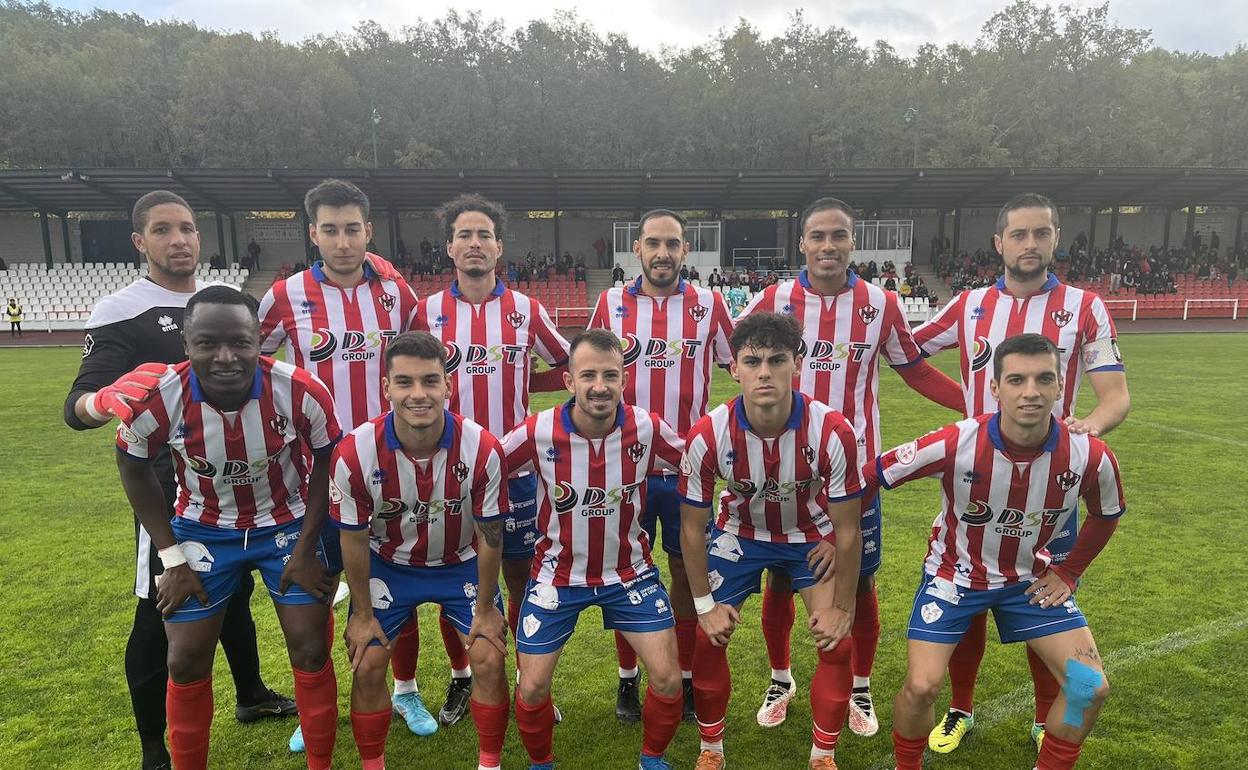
(259, 282)
(597, 281)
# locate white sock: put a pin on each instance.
(717, 746)
(816, 752)
(483, 767)
(686, 674)
(862, 681)
(628, 673)
(784, 675)
(461, 673)
(404, 686)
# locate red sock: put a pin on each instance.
(660, 717)
(686, 640)
(778, 614)
(316, 695)
(406, 651)
(964, 665)
(829, 694)
(370, 730)
(454, 647)
(712, 684)
(1057, 754)
(866, 633)
(188, 708)
(537, 729)
(1046, 686)
(908, 752)
(624, 652)
(491, 724)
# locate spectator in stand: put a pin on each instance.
(684, 272)
(890, 283)
(714, 279)
(734, 278)
(14, 313)
(513, 276)
(600, 246)
(905, 289)
(694, 275)
(526, 274)
(3, 265)
(617, 274)
(578, 272)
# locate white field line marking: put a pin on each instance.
(1192, 433)
(1021, 699)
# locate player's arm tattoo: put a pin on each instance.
(491, 532)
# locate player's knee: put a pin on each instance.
(665, 681)
(371, 673)
(839, 654)
(921, 689)
(486, 661)
(308, 651)
(185, 666)
(1084, 687)
(531, 691)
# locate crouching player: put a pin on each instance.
(240, 427)
(1010, 481)
(791, 464)
(591, 457)
(409, 491)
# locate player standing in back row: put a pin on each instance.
(848, 326)
(1028, 298)
(672, 333)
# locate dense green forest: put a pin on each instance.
(1039, 87)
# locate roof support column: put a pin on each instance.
(308, 256)
(1092, 230)
(47, 237)
(1113, 225)
(69, 255)
(1190, 232)
(1239, 231)
(233, 240)
(395, 236)
(790, 242)
(220, 234)
(1165, 235)
(957, 229)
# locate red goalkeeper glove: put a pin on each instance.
(384, 269)
(114, 400)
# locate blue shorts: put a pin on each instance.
(872, 539)
(942, 612)
(220, 556)
(397, 590)
(662, 512)
(735, 565)
(520, 525)
(548, 614)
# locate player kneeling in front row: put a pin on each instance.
(240, 426)
(592, 456)
(409, 490)
(1011, 481)
(792, 469)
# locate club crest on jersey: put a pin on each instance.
(868, 313)
(1061, 317)
(697, 312)
(808, 454)
(278, 423)
(981, 354)
(335, 492)
(387, 302)
(636, 452)
(1067, 479)
(460, 470)
(516, 319)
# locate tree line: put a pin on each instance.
(1039, 87)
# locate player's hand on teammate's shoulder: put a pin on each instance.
(383, 267)
(115, 400)
(362, 628)
(719, 623)
(489, 626)
(307, 572)
(822, 560)
(1075, 425)
(1049, 589)
(175, 585)
(829, 625)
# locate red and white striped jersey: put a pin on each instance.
(1000, 507)
(671, 345)
(977, 320)
(487, 351)
(778, 488)
(338, 334)
(844, 335)
(236, 470)
(591, 492)
(420, 511)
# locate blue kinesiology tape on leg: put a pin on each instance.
(1080, 690)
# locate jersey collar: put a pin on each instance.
(318, 271)
(795, 414)
(1049, 285)
(197, 392)
(635, 287)
(565, 414)
(448, 432)
(998, 441)
(499, 288)
(803, 280)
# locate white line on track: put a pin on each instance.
(1018, 701)
(1192, 433)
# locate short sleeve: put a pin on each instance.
(547, 340)
(941, 333)
(489, 493)
(1102, 483)
(518, 448)
(699, 468)
(350, 503)
(600, 318)
(900, 348)
(842, 476)
(721, 330)
(763, 302)
(1100, 351)
(147, 430)
(320, 425)
(274, 310)
(928, 455)
(666, 449)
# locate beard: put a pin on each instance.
(663, 283)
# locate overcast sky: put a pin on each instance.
(1212, 26)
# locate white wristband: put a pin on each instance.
(95, 413)
(703, 604)
(172, 556)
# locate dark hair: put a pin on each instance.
(824, 204)
(778, 331)
(1027, 200)
(334, 193)
(1028, 344)
(658, 214)
(448, 212)
(417, 345)
(598, 339)
(221, 294)
(144, 205)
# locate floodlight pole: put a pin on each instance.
(911, 118)
(375, 118)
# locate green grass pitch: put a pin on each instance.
(1165, 601)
